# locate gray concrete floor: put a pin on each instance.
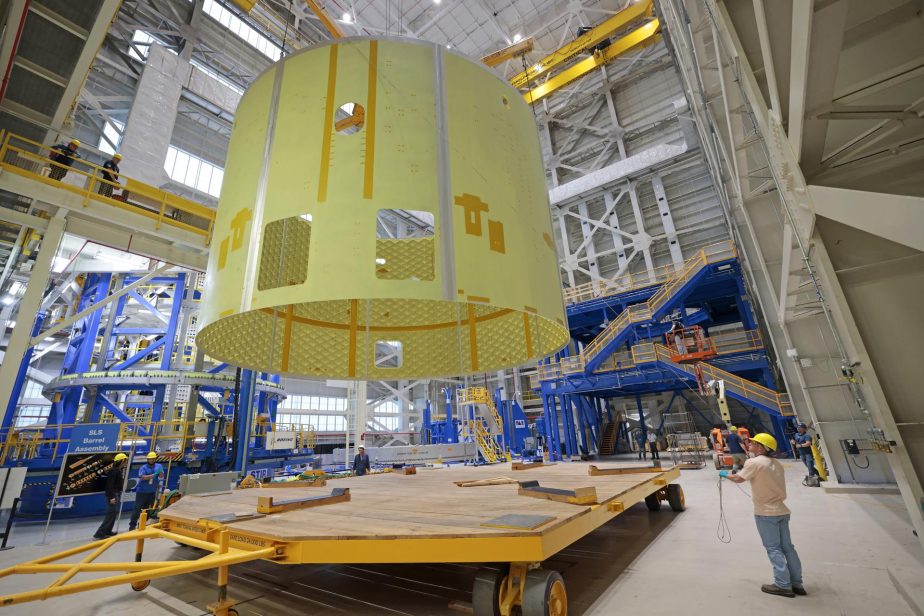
(858, 552)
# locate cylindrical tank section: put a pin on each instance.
(384, 215)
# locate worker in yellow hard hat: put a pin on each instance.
(110, 175)
(150, 476)
(115, 480)
(768, 491)
(62, 157)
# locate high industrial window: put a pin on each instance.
(31, 416)
(217, 77)
(32, 390)
(111, 137)
(192, 171)
(142, 45)
(314, 403)
(236, 25)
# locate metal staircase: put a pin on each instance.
(608, 440)
(487, 445)
(736, 387)
(657, 305)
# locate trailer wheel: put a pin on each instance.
(675, 497)
(544, 594)
(486, 591)
(653, 502)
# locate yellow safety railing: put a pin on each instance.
(28, 158)
(491, 451)
(640, 313)
(162, 436)
(625, 283)
(728, 342)
(733, 383)
(480, 395)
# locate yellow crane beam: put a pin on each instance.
(583, 42)
(640, 37)
(335, 32)
(501, 55)
(245, 5)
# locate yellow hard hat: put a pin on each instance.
(117, 156)
(766, 440)
(732, 428)
(152, 455)
(120, 456)
(74, 142)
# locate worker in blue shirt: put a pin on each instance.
(361, 464)
(803, 443)
(733, 442)
(149, 477)
(63, 154)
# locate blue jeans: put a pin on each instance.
(774, 534)
(809, 463)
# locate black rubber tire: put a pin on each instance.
(139, 586)
(544, 594)
(486, 591)
(232, 612)
(675, 497)
(653, 502)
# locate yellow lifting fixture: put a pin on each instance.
(584, 42)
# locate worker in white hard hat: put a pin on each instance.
(115, 479)
(768, 491)
(110, 175)
(63, 155)
(150, 476)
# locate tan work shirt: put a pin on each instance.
(768, 485)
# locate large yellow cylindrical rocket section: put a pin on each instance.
(384, 214)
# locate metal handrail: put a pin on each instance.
(628, 282)
(729, 342)
(639, 313)
(171, 436)
(29, 158)
(598, 289)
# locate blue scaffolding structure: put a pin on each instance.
(625, 331)
(124, 363)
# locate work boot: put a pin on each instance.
(773, 589)
(799, 590)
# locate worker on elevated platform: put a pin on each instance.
(63, 155)
(361, 464)
(110, 174)
(802, 442)
(149, 477)
(115, 481)
(768, 491)
(677, 334)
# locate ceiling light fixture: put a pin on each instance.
(517, 37)
(347, 18)
(380, 261)
(8, 300)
